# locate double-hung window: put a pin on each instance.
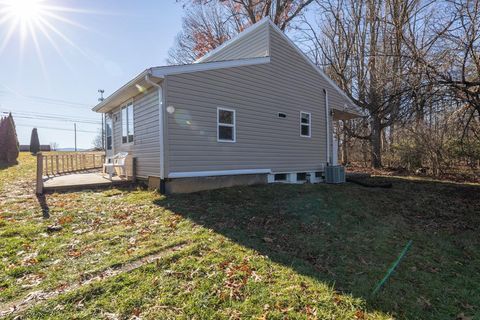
(127, 123)
(108, 132)
(305, 124)
(225, 125)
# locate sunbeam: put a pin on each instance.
(32, 20)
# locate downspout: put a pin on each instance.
(161, 127)
(327, 119)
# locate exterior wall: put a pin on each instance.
(258, 93)
(252, 45)
(145, 146)
(188, 185)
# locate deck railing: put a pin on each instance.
(56, 164)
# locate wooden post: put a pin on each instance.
(63, 163)
(46, 164)
(134, 169)
(93, 160)
(56, 160)
(39, 187)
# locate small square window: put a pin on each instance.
(301, 176)
(280, 177)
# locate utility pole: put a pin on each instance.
(75, 130)
(100, 99)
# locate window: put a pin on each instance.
(305, 121)
(225, 125)
(280, 177)
(127, 123)
(301, 176)
(108, 132)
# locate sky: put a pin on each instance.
(51, 69)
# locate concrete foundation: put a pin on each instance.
(188, 185)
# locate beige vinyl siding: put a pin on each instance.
(258, 93)
(145, 146)
(252, 45)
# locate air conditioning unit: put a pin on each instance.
(334, 174)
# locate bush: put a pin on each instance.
(34, 142)
(8, 141)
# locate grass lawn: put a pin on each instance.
(263, 252)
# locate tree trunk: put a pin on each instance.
(345, 142)
(376, 141)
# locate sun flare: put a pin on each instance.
(36, 23)
(24, 10)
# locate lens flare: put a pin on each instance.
(37, 21)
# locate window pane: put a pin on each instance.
(108, 132)
(225, 133)
(124, 125)
(305, 118)
(305, 130)
(130, 120)
(225, 116)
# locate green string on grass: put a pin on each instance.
(392, 268)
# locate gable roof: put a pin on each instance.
(140, 84)
(236, 38)
(267, 20)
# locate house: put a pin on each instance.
(26, 147)
(254, 110)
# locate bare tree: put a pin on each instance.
(360, 44)
(97, 142)
(54, 146)
(209, 23)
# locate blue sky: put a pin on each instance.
(109, 42)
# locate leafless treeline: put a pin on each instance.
(413, 66)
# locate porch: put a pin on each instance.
(79, 170)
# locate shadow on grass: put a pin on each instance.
(42, 201)
(348, 236)
(4, 165)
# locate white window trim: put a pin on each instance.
(234, 125)
(123, 105)
(305, 124)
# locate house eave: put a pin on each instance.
(132, 88)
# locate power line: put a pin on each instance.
(51, 128)
(52, 117)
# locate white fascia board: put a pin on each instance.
(194, 174)
(161, 72)
(236, 38)
(122, 94)
(320, 71)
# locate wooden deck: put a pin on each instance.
(81, 180)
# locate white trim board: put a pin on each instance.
(193, 174)
(231, 125)
(161, 72)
